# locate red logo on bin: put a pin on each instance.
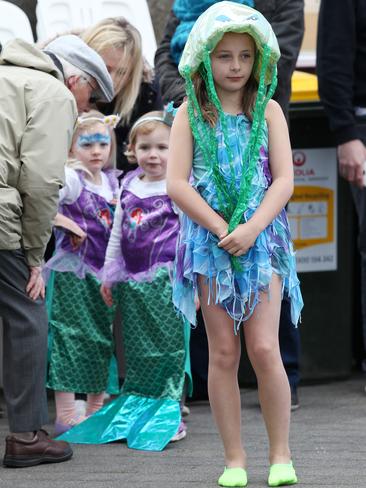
(299, 158)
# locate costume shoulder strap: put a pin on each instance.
(128, 178)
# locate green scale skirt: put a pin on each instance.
(156, 341)
(80, 338)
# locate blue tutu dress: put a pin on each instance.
(237, 289)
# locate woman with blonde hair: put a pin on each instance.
(137, 91)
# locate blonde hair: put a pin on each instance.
(87, 121)
(118, 33)
(144, 125)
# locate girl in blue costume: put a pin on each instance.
(235, 248)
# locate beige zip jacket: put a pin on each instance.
(37, 117)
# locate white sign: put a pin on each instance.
(312, 210)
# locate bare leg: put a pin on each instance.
(94, 403)
(223, 388)
(65, 406)
(261, 338)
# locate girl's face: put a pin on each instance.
(92, 147)
(232, 61)
(151, 152)
(117, 66)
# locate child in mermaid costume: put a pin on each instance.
(235, 249)
(139, 259)
(81, 340)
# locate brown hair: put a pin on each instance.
(208, 109)
(142, 126)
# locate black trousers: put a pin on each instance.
(25, 346)
(359, 199)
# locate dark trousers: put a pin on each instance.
(289, 338)
(25, 346)
(359, 199)
(198, 347)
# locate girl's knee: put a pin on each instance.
(225, 357)
(264, 354)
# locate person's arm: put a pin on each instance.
(171, 83)
(68, 195)
(178, 173)
(336, 50)
(76, 233)
(114, 243)
(288, 25)
(278, 194)
(113, 253)
(43, 152)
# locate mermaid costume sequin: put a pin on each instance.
(156, 341)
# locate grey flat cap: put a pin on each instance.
(79, 54)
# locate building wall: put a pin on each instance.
(158, 11)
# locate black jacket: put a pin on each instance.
(341, 64)
(287, 20)
(149, 99)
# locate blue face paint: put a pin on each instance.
(97, 137)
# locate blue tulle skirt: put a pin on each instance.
(237, 289)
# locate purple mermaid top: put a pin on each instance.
(94, 215)
(149, 230)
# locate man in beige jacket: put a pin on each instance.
(38, 91)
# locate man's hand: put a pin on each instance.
(352, 157)
(106, 292)
(240, 240)
(35, 287)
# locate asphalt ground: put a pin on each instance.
(328, 442)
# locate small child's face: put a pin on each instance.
(151, 151)
(232, 62)
(92, 147)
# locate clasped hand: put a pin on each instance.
(76, 241)
(240, 240)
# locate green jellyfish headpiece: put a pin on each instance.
(206, 33)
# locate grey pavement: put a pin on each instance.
(328, 441)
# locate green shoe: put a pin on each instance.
(282, 474)
(233, 477)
